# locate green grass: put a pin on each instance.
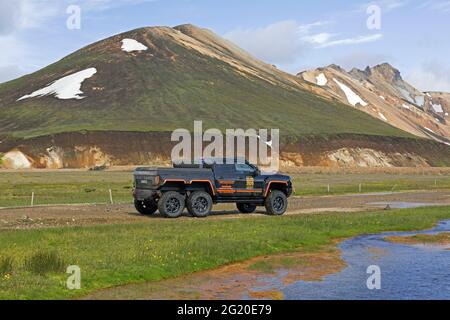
(64, 187)
(45, 262)
(310, 184)
(6, 265)
(114, 255)
(93, 187)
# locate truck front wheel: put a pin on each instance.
(171, 204)
(276, 203)
(246, 207)
(146, 208)
(199, 204)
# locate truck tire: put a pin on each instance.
(199, 204)
(276, 203)
(246, 207)
(171, 204)
(146, 208)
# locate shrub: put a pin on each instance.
(6, 265)
(45, 262)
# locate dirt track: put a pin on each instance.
(82, 215)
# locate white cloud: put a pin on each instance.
(21, 14)
(16, 16)
(385, 5)
(431, 76)
(318, 39)
(283, 42)
(351, 41)
(101, 5)
(19, 18)
(277, 43)
(441, 6)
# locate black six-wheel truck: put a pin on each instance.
(199, 187)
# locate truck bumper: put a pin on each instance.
(141, 194)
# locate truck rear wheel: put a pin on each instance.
(146, 208)
(171, 204)
(276, 203)
(246, 207)
(199, 204)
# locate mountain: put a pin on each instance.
(116, 102)
(381, 92)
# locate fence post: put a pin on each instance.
(328, 189)
(110, 196)
(32, 199)
(360, 188)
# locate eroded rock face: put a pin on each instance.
(16, 159)
(53, 159)
(363, 157)
(95, 149)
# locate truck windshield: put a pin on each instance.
(245, 168)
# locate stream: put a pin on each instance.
(408, 272)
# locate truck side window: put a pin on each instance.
(224, 169)
(244, 168)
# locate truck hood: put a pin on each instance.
(279, 177)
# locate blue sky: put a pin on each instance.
(294, 35)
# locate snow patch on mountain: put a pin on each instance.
(321, 80)
(420, 101)
(130, 45)
(382, 117)
(437, 108)
(352, 97)
(406, 94)
(68, 87)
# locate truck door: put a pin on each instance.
(245, 184)
(225, 175)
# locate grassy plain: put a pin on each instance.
(77, 187)
(112, 255)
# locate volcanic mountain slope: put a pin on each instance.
(381, 92)
(90, 107)
(185, 74)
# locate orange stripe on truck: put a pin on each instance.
(268, 186)
(190, 182)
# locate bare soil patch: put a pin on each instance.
(442, 239)
(84, 215)
(236, 281)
